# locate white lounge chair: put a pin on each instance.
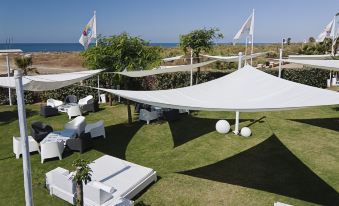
(51, 149)
(33, 146)
(54, 103)
(59, 183)
(147, 115)
(87, 100)
(74, 111)
(78, 125)
(281, 204)
(96, 129)
(113, 180)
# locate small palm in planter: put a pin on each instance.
(82, 174)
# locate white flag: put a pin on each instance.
(247, 28)
(89, 32)
(326, 33)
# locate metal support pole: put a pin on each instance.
(8, 74)
(24, 138)
(280, 61)
(98, 88)
(191, 69)
(240, 59)
(236, 128)
(252, 41)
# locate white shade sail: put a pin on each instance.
(235, 58)
(163, 70)
(247, 89)
(48, 81)
(322, 64)
(172, 58)
(311, 57)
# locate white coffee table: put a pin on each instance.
(58, 136)
(65, 107)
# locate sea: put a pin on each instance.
(70, 47)
(62, 47)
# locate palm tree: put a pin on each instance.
(24, 63)
(82, 174)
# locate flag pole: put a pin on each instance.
(246, 42)
(252, 38)
(96, 44)
(237, 114)
(333, 37)
(191, 68)
(280, 61)
(24, 138)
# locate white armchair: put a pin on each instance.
(74, 111)
(96, 129)
(33, 146)
(147, 116)
(51, 149)
(78, 125)
(59, 183)
(87, 100)
(54, 103)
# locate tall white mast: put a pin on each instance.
(252, 38)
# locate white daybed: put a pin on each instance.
(112, 179)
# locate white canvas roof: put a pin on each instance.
(322, 64)
(310, 57)
(247, 89)
(48, 81)
(172, 58)
(7, 51)
(171, 69)
(234, 58)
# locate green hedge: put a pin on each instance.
(312, 77)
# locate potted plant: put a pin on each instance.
(82, 175)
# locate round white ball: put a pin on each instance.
(222, 126)
(245, 132)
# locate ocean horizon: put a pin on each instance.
(75, 47)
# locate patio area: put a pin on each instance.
(292, 157)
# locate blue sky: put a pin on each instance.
(162, 20)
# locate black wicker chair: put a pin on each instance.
(40, 130)
(81, 143)
(48, 111)
(71, 99)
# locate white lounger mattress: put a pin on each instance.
(122, 175)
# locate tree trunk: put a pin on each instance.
(110, 99)
(198, 71)
(129, 112)
(79, 194)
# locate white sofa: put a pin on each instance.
(51, 149)
(54, 103)
(87, 100)
(33, 146)
(96, 129)
(78, 125)
(147, 115)
(112, 180)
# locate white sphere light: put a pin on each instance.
(245, 132)
(222, 126)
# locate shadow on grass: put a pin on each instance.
(327, 123)
(7, 117)
(271, 167)
(189, 128)
(117, 139)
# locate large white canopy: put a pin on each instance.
(322, 64)
(48, 81)
(235, 58)
(246, 89)
(310, 57)
(168, 59)
(166, 69)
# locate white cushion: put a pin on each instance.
(103, 187)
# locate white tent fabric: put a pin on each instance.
(181, 68)
(48, 81)
(172, 58)
(322, 64)
(245, 90)
(311, 57)
(234, 58)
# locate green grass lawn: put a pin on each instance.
(292, 157)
